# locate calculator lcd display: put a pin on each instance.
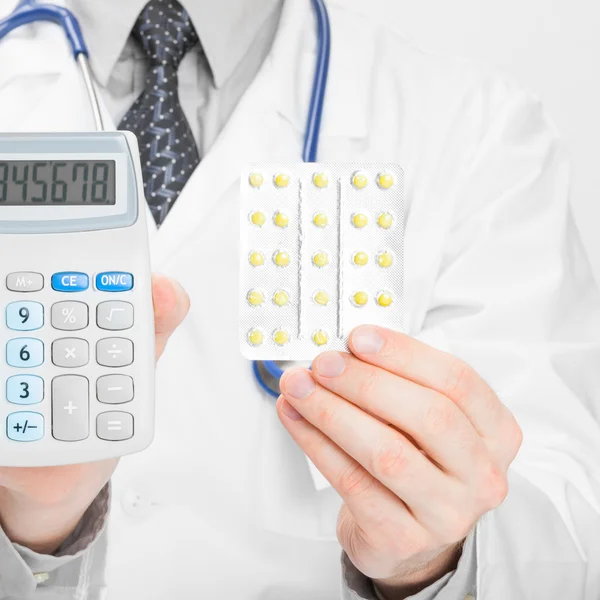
(57, 182)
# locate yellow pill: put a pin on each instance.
(320, 259)
(257, 218)
(281, 298)
(256, 337)
(282, 180)
(360, 259)
(385, 181)
(384, 299)
(281, 220)
(360, 180)
(256, 259)
(281, 337)
(321, 180)
(321, 220)
(256, 297)
(360, 298)
(256, 180)
(359, 220)
(320, 337)
(321, 298)
(385, 259)
(385, 220)
(281, 258)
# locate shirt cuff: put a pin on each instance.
(22, 570)
(455, 585)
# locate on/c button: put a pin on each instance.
(70, 281)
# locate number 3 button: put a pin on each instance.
(24, 316)
(25, 352)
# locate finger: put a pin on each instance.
(433, 421)
(432, 368)
(383, 452)
(373, 506)
(171, 304)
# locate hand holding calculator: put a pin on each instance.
(75, 286)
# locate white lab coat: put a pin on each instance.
(223, 504)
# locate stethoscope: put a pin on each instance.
(267, 373)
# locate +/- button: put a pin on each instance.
(70, 281)
(25, 426)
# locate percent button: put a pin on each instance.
(69, 316)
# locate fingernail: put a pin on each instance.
(366, 340)
(290, 411)
(330, 364)
(298, 384)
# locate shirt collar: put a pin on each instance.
(226, 28)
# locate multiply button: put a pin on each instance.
(69, 316)
(114, 352)
(25, 426)
(70, 408)
(24, 316)
(70, 352)
(114, 389)
(24, 352)
(114, 281)
(114, 426)
(70, 281)
(114, 315)
(24, 281)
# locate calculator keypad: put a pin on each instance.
(71, 393)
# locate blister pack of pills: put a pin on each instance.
(321, 252)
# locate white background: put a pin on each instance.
(551, 47)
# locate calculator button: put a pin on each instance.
(24, 389)
(114, 389)
(70, 281)
(70, 352)
(70, 408)
(25, 426)
(69, 316)
(24, 281)
(25, 352)
(114, 352)
(114, 426)
(114, 281)
(115, 315)
(24, 316)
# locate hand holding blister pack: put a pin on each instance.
(78, 326)
(321, 253)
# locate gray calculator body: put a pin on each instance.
(77, 345)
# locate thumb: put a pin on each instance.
(171, 305)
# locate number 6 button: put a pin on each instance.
(24, 316)
(25, 352)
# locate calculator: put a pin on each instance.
(75, 291)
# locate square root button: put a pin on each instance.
(114, 426)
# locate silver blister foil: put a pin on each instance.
(321, 252)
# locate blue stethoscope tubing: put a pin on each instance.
(30, 11)
(311, 144)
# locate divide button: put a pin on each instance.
(114, 281)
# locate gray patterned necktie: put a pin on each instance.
(167, 148)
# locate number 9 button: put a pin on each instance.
(24, 316)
